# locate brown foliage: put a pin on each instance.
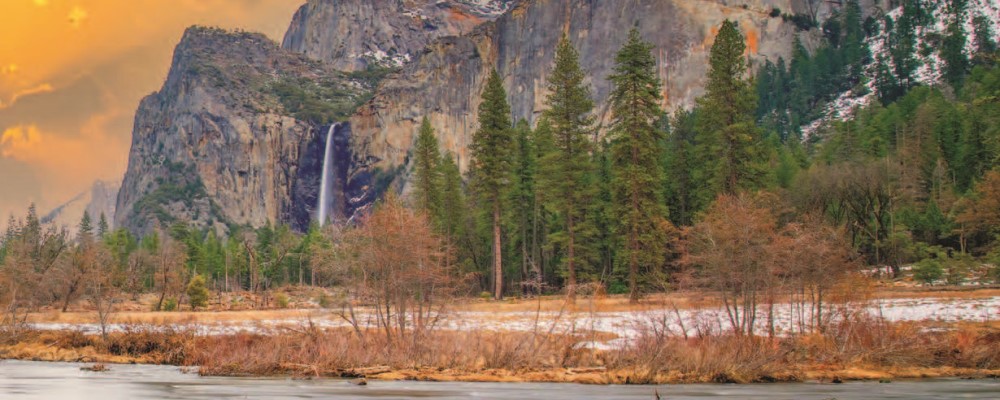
(730, 251)
(982, 214)
(739, 251)
(395, 263)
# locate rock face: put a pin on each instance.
(99, 199)
(352, 34)
(221, 143)
(446, 80)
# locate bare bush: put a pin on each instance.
(395, 263)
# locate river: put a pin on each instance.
(64, 381)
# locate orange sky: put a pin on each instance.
(72, 73)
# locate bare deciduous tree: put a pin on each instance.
(731, 252)
(395, 263)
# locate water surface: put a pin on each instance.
(61, 381)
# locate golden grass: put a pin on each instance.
(222, 311)
(861, 348)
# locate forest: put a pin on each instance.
(752, 192)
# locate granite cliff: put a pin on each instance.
(226, 139)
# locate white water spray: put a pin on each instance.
(324, 188)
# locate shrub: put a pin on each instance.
(928, 271)
(281, 300)
(197, 292)
(323, 300)
(617, 287)
(802, 22)
(170, 304)
(958, 268)
(775, 12)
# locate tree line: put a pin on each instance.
(726, 196)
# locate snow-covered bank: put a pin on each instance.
(623, 325)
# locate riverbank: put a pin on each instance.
(859, 350)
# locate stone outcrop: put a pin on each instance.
(222, 142)
(351, 35)
(445, 81)
(99, 199)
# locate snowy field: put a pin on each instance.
(620, 326)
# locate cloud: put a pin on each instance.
(67, 164)
(43, 88)
(20, 188)
(17, 139)
(76, 16)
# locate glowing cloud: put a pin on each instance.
(43, 88)
(76, 16)
(41, 3)
(18, 140)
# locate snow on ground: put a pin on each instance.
(625, 325)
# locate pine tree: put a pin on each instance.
(637, 190)
(886, 85)
(600, 228)
(452, 198)
(426, 172)
(565, 169)
(855, 50)
(679, 165)
(102, 226)
(903, 43)
(728, 141)
(522, 198)
(985, 45)
(492, 148)
(542, 215)
(86, 225)
(956, 63)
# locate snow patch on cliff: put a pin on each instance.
(929, 71)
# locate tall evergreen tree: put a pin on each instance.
(542, 215)
(427, 172)
(492, 152)
(729, 143)
(452, 198)
(956, 63)
(601, 228)
(679, 165)
(903, 42)
(637, 189)
(102, 226)
(522, 200)
(855, 50)
(565, 169)
(86, 225)
(985, 45)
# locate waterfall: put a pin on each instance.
(324, 186)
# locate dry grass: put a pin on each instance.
(863, 348)
(854, 290)
(856, 349)
(340, 353)
(223, 311)
(171, 318)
